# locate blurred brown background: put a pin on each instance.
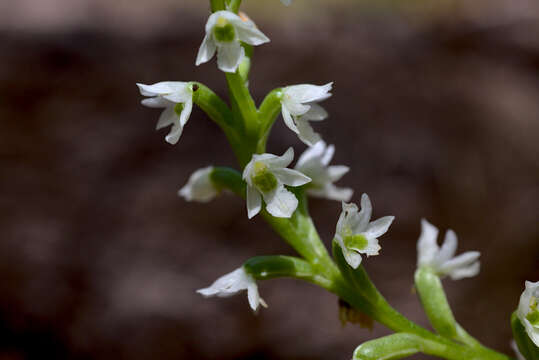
(436, 109)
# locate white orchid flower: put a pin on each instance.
(298, 105)
(224, 33)
(232, 283)
(442, 260)
(266, 175)
(528, 310)
(199, 187)
(356, 234)
(314, 163)
(176, 98)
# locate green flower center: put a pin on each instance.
(533, 315)
(262, 178)
(224, 31)
(178, 108)
(356, 242)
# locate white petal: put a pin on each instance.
(306, 132)
(465, 272)
(253, 296)
(364, 215)
(294, 107)
(186, 112)
(349, 218)
(287, 117)
(155, 102)
(427, 248)
(206, 50)
(328, 154)
(229, 56)
(306, 93)
(162, 88)
(254, 202)
(175, 133)
(463, 260)
(181, 95)
(248, 32)
(373, 248)
(449, 247)
(312, 154)
(276, 162)
(379, 227)
(199, 187)
(532, 331)
(227, 285)
(167, 117)
(291, 177)
(352, 258)
(336, 172)
(316, 113)
(331, 192)
(281, 202)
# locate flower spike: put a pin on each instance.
(299, 106)
(356, 234)
(443, 260)
(224, 33)
(266, 175)
(232, 283)
(199, 187)
(314, 163)
(528, 310)
(176, 98)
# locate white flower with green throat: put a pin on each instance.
(528, 310)
(176, 97)
(356, 234)
(266, 176)
(225, 31)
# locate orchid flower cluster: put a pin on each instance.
(279, 193)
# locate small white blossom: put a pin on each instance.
(232, 283)
(528, 310)
(199, 187)
(314, 163)
(176, 98)
(356, 234)
(224, 33)
(442, 260)
(266, 175)
(298, 105)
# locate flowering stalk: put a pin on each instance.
(280, 195)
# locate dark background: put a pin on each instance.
(436, 110)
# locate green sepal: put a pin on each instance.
(396, 346)
(227, 178)
(434, 301)
(525, 345)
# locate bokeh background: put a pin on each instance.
(436, 110)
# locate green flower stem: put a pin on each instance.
(278, 266)
(234, 5)
(355, 287)
(300, 233)
(267, 114)
(245, 104)
(217, 5)
(213, 106)
(230, 179)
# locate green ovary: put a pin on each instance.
(223, 31)
(356, 242)
(178, 108)
(533, 315)
(262, 178)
